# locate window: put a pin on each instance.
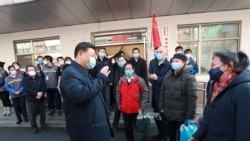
(28, 50)
(205, 39)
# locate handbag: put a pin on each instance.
(187, 130)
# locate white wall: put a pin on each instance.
(71, 35)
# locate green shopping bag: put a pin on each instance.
(142, 126)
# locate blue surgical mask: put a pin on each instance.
(215, 74)
(121, 64)
(175, 66)
(128, 73)
(102, 54)
(135, 55)
(155, 55)
(40, 62)
(159, 56)
(92, 63)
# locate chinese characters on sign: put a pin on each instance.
(165, 39)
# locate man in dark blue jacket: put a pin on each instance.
(86, 115)
(101, 61)
(158, 69)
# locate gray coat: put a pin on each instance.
(178, 96)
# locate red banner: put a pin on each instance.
(155, 32)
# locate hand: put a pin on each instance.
(161, 111)
(192, 139)
(153, 76)
(39, 94)
(17, 93)
(105, 70)
(110, 84)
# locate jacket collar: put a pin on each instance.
(79, 67)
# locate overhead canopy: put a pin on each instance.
(42, 14)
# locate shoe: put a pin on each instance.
(59, 113)
(25, 120)
(44, 127)
(35, 131)
(19, 122)
(114, 129)
(51, 113)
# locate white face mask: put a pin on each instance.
(61, 62)
(13, 73)
(188, 55)
(68, 62)
(32, 73)
(45, 62)
(16, 67)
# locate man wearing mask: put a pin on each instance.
(179, 49)
(139, 64)
(60, 62)
(191, 62)
(178, 96)
(18, 70)
(51, 75)
(85, 110)
(34, 87)
(39, 66)
(119, 72)
(158, 71)
(102, 61)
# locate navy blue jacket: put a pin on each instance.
(86, 115)
(227, 117)
(160, 70)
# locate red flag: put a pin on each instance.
(155, 32)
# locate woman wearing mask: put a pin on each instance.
(132, 94)
(178, 96)
(227, 113)
(4, 95)
(15, 89)
(17, 67)
(34, 86)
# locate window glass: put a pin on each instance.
(213, 37)
(23, 48)
(27, 51)
(219, 31)
(209, 47)
(188, 33)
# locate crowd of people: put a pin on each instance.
(91, 85)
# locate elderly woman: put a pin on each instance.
(227, 113)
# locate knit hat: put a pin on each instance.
(2, 64)
(180, 56)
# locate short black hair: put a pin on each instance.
(60, 57)
(15, 63)
(128, 63)
(39, 57)
(135, 49)
(11, 66)
(178, 47)
(84, 46)
(48, 57)
(187, 50)
(30, 66)
(100, 48)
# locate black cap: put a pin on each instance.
(180, 56)
(2, 64)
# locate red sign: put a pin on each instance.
(119, 38)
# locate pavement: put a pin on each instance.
(10, 131)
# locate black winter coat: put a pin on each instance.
(86, 115)
(227, 117)
(178, 96)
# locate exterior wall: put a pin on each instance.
(71, 35)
